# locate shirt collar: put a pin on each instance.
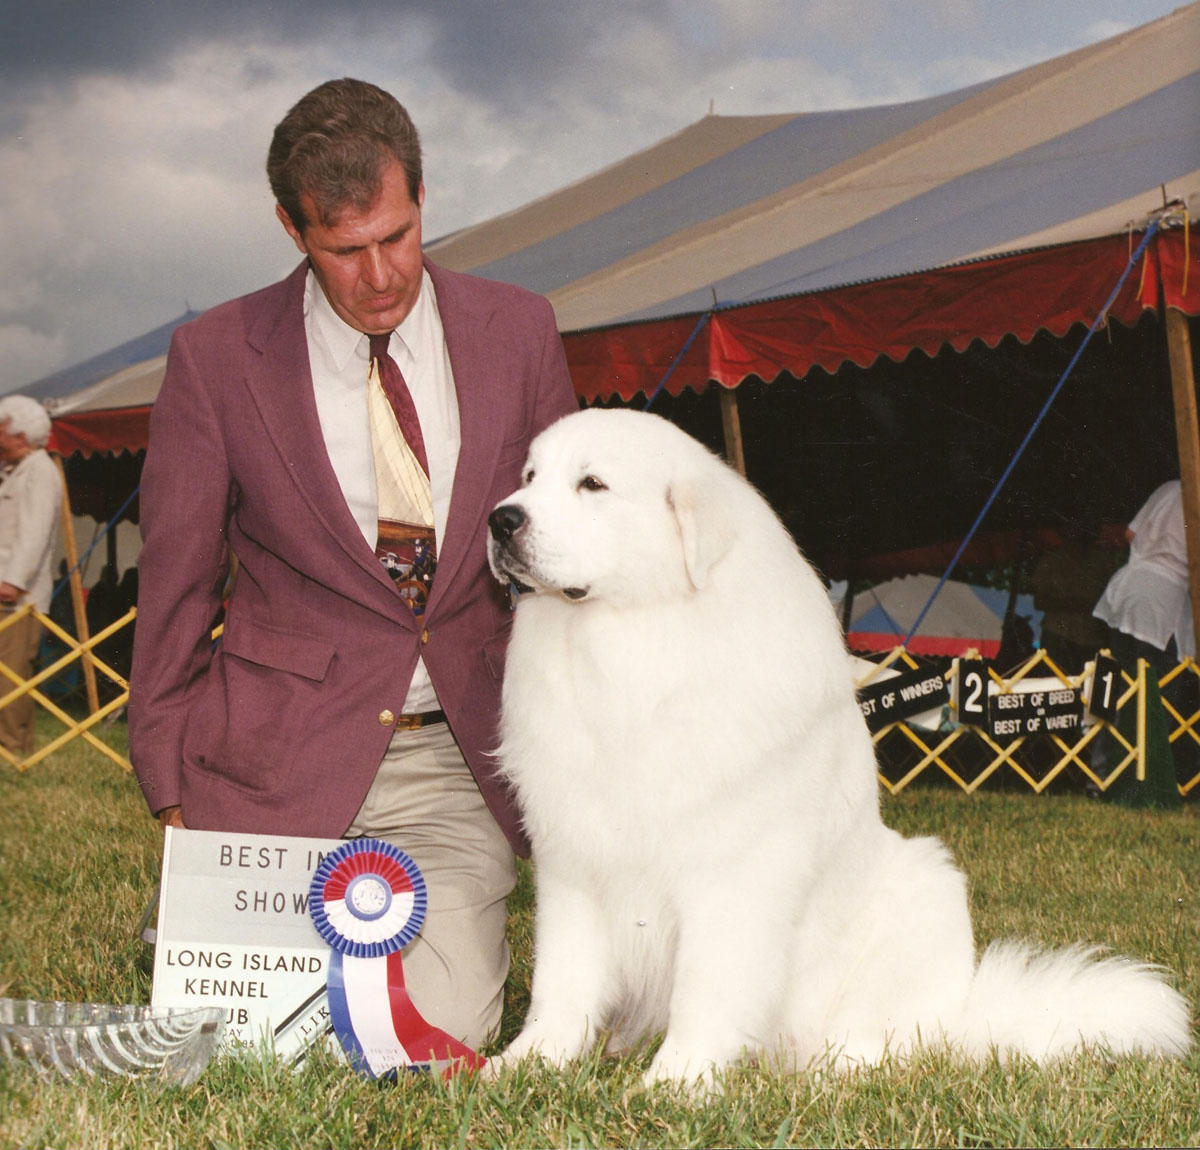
(344, 341)
(340, 340)
(419, 319)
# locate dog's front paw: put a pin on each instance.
(554, 1047)
(676, 1067)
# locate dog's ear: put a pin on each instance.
(706, 525)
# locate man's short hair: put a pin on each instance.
(333, 145)
(27, 416)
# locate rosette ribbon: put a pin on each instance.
(368, 901)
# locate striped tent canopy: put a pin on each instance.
(782, 243)
(103, 404)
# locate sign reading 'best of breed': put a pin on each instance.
(1021, 713)
(234, 931)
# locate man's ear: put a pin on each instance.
(291, 229)
(706, 526)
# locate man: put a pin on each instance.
(30, 500)
(355, 688)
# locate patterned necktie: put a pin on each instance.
(406, 545)
(399, 397)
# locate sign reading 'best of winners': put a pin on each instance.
(234, 930)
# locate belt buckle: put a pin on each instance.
(409, 722)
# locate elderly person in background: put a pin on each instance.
(30, 500)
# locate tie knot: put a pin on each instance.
(379, 345)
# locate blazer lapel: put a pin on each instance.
(280, 381)
(475, 382)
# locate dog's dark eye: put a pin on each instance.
(591, 483)
(528, 479)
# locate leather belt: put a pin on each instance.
(416, 721)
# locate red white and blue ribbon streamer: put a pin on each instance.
(368, 901)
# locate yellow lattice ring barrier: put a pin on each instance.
(1183, 729)
(12, 687)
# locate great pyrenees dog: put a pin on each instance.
(699, 787)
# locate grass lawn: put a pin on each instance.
(79, 861)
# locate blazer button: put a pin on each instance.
(424, 637)
(386, 718)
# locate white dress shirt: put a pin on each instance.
(338, 356)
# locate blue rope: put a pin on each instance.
(691, 339)
(1133, 259)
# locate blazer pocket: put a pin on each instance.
(279, 649)
(259, 708)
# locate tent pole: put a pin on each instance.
(81, 626)
(731, 422)
(848, 602)
(1187, 437)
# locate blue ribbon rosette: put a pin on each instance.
(368, 901)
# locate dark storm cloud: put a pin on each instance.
(49, 42)
(483, 44)
(509, 50)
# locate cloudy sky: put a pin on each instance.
(133, 132)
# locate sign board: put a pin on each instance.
(900, 697)
(1107, 687)
(1050, 712)
(234, 931)
(971, 693)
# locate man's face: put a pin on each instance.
(367, 263)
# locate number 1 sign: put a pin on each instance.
(1107, 688)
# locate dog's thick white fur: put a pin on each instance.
(699, 787)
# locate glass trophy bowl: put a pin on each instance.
(70, 1038)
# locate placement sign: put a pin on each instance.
(234, 930)
(1053, 712)
(900, 697)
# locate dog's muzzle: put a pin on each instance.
(505, 522)
(506, 553)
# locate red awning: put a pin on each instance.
(1019, 295)
(93, 432)
(870, 642)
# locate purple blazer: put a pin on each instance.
(278, 730)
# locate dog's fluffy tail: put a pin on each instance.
(1050, 1003)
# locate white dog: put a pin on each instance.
(699, 787)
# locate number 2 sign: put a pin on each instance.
(971, 694)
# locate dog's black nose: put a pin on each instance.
(505, 521)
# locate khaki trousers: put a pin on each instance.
(18, 648)
(425, 801)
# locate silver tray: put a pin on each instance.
(70, 1038)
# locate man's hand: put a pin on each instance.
(171, 817)
(9, 595)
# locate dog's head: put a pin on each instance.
(614, 506)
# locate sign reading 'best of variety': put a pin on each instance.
(1020, 713)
